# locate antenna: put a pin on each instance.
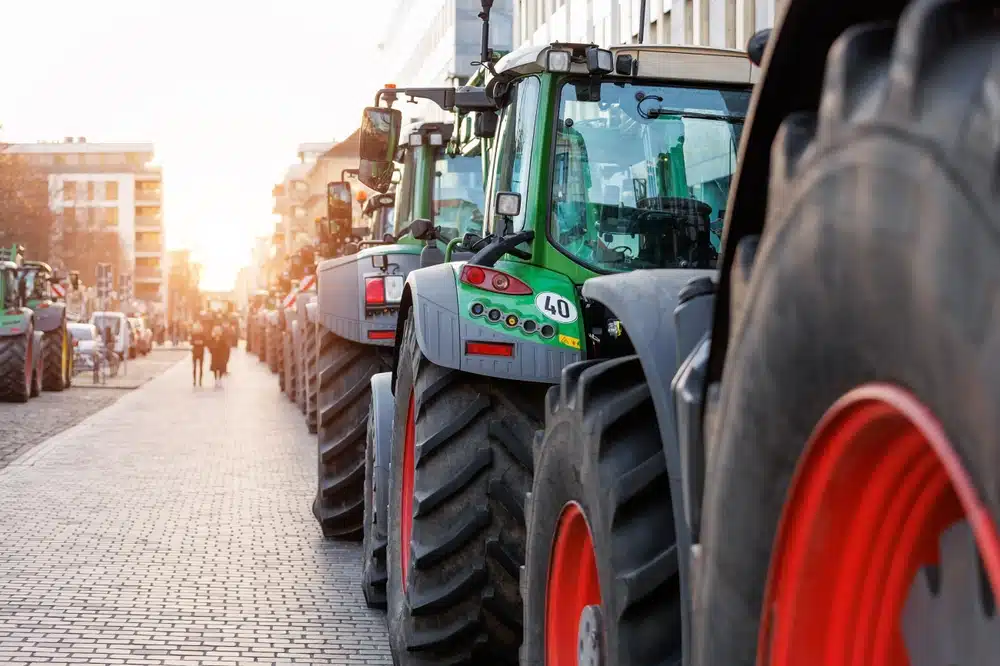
(642, 19)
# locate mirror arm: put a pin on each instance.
(466, 98)
(492, 253)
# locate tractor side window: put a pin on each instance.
(515, 135)
(458, 195)
(9, 288)
(404, 195)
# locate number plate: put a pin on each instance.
(555, 307)
(393, 288)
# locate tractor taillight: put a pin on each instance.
(493, 280)
(490, 348)
(374, 291)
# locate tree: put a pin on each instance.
(25, 214)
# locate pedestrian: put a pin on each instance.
(220, 354)
(197, 354)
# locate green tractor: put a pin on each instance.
(21, 359)
(823, 404)
(438, 200)
(605, 161)
(51, 319)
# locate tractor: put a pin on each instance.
(51, 319)
(359, 295)
(793, 459)
(604, 162)
(21, 358)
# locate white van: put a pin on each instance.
(120, 329)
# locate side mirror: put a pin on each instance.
(378, 142)
(422, 229)
(339, 204)
(757, 45)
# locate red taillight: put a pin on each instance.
(495, 281)
(76, 343)
(381, 335)
(489, 348)
(374, 291)
(12, 311)
(43, 305)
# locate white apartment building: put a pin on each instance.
(718, 23)
(435, 42)
(103, 188)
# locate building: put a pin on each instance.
(183, 277)
(108, 199)
(300, 199)
(435, 42)
(717, 23)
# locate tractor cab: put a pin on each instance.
(13, 292)
(37, 277)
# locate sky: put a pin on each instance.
(225, 89)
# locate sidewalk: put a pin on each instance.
(174, 527)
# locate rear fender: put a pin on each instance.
(380, 428)
(432, 295)
(663, 325)
(50, 317)
(12, 325)
(342, 297)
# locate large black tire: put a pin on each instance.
(289, 364)
(345, 372)
(54, 346)
(311, 352)
(602, 451)
(879, 263)
(15, 369)
(374, 543)
(471, 465)
(272, 347)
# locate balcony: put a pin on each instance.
(148, 195)
(148, 274)
(148, 223)
(148, 247)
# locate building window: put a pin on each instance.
(71, 159)
(111, 216)
(689, 22)
(69, 190)
(111, 190)
(91, 191)
(92, 158)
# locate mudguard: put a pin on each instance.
(663, 332)
(16, 323)
(49, 317)
(432, 294)
(380, 422)
(341, 291)
(312, 312)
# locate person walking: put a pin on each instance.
(220, 354)
(197, 354)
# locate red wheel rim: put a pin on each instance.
(406, 512)
(876, 488)
(573, 585)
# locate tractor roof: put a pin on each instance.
(697, 64)
(7, 265)
(37, 264)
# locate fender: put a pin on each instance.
(791, 80)
(36, 349)
(380, 423)
(342, 295)
(49, 317)
(663, 331)
(432, 294)
(312, 312)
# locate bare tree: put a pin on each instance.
(25, 214)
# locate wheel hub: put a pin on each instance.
(590, 646)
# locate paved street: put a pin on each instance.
(173, 527)
(23, 426)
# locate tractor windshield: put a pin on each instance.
(642, 172)
(34, 284)
(9, 277)
(458, 196)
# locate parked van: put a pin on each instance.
(120, 329)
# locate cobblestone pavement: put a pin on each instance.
(174, 528)
(23, 426)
